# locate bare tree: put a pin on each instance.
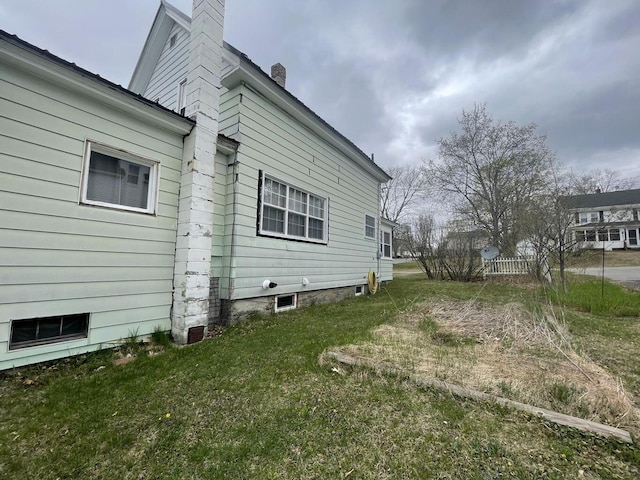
(400, 194)
(493, 171)
(597, 180)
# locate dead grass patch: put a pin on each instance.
(503, 350)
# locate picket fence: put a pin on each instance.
(508, 266)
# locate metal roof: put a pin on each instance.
(14, 39)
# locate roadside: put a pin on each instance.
(627, 276)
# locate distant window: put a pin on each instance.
(172, 40)
(37, 331)
(636, 215)
(369, 226)
(589, 217)
(614, 234)
(385, 243)
(580, 236)
(603, 235)
(359, 290)
(289, 212)
(285, 302)
(117, 179)
(590, 235)
(182, 97)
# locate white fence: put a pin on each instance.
(508, 266)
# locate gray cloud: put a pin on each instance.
(393, 76)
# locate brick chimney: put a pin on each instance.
(279, 74)
(192, 266)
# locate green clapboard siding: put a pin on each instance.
(58, 257)
(272, 141)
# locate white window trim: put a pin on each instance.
(285, 235)
(154, 176)
(375, 226)
(289, 307)
(359, 290)
(382, 244)
(181, 103)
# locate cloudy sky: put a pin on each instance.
(394, 75)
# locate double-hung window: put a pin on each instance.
(385, 243)
(369, 226)
(289, 212)
(590, 217)
(117, 179)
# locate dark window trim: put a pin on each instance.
(259, 233)
(49, 340)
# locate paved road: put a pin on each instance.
(629, 276)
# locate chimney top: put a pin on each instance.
(279, 74)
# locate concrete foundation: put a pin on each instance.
(234, 311)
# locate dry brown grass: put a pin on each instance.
(502, 350)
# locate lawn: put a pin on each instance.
(256, 402)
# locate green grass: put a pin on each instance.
(586, 294)
(255, 403)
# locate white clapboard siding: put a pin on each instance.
(58, 257)
(170, 70)
(274, 142)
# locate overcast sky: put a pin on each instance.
(394, 75)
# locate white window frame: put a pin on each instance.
(286, 209)
(384, 230)
(589, 217)
(375, 224)
(288, 307)
(181, 104)
(154, 176)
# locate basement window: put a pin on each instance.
(117, 179)
(30, 332)
(285, 302)
(359, 290)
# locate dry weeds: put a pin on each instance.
(502, 350)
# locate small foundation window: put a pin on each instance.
(359, 290)
(30, 332)
(285, 302)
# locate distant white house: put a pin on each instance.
(609, 220)
(120, 215)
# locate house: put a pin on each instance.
(609, 220)
(201, 194)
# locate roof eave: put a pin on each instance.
(252, 75)
(25, 56)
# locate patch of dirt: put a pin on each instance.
(503, 350)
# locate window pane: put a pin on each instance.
(49, 327)
(603, 236)
(297, 201)
(273, 220)
(614, 234)
(316, 229)
(387, 251)
(316, 207)
(74, 324)
(590, 235)
(275, 193)
(23, 330)
(580, 236)
(296, 225)
(116, 181)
